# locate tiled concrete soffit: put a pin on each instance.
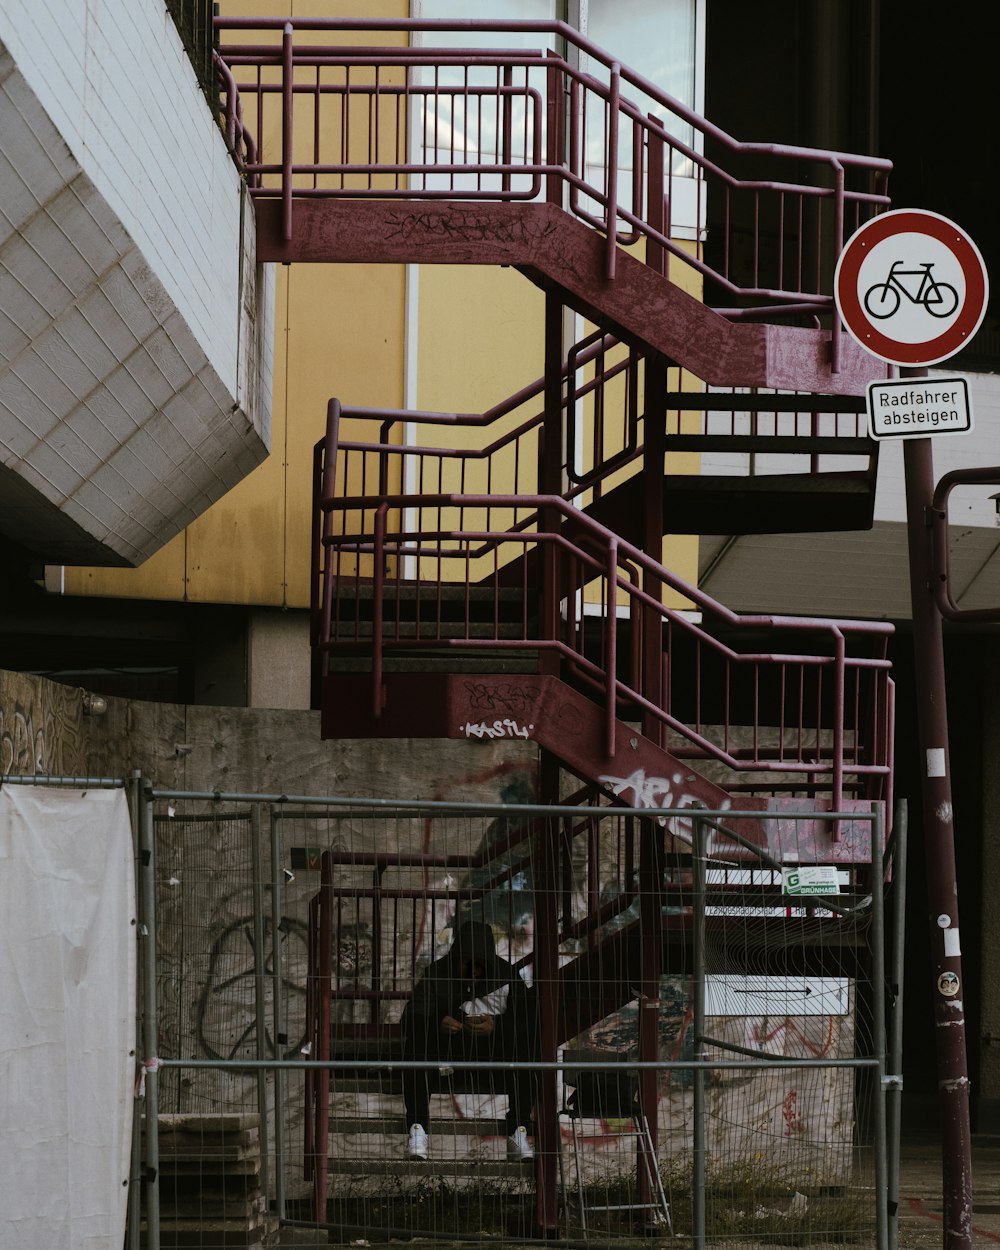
(115, 429)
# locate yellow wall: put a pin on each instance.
(338, 332)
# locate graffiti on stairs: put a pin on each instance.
(658, 793)
(506, 728)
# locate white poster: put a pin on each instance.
(67, 1017)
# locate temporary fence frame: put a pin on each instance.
(883, 1061)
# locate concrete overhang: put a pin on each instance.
(116, 428)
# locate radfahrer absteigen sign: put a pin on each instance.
(918, 407)
(911, 288)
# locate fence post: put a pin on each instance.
(698, 1025)
(135, 1168)
(256, 876)
(150, 1027)
(894, 1093)
(879, 1030)
(278, 1008)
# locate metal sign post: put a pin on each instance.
(948, 991)
(911, 287)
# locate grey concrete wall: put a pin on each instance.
(279, 751)
(279, 659)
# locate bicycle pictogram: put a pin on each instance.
(883, 300)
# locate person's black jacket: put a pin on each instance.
(443, 989)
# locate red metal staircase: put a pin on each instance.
(518, 589)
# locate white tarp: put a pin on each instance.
(67, 1017)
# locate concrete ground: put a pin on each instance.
(920, 1190)
(921, 1205)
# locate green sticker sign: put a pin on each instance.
(809, 879)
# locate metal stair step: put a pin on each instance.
(454, 662)
(432, 631)
(774, 444)
(393, 1125)
(431, 1167)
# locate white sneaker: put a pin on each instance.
(518, 1146)
(416, 1147)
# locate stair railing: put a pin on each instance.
(385, 465)
(339, 912)
(481, 122)
(817, 700)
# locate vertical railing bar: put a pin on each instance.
(577, 117)
(506, 156)
(378, 584)
(611, 661)
(614, 105)
(800, 266)
(554, 139)
(287, 97)
(317, 102)
(840, 643)
(260, 118)
(781, 240)
(373, 133)
(345, 127)
(838, 244)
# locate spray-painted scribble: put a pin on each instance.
(225, 1017)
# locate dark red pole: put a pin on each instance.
(947, 987)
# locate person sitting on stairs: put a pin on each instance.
(470, 1005)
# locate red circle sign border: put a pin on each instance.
(859, 326)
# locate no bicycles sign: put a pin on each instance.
(911, 287)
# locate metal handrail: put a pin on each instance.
(593, 563)
(394, 178)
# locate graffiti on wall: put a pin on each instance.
(224, 1012)
(40, 728)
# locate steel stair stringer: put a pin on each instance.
(542, 708)
(555, 250)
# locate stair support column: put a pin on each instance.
(651, 834)
(651, 867)
(550, 480)
(548, 1142)
(654, 438)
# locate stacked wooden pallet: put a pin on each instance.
(210, 1182)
